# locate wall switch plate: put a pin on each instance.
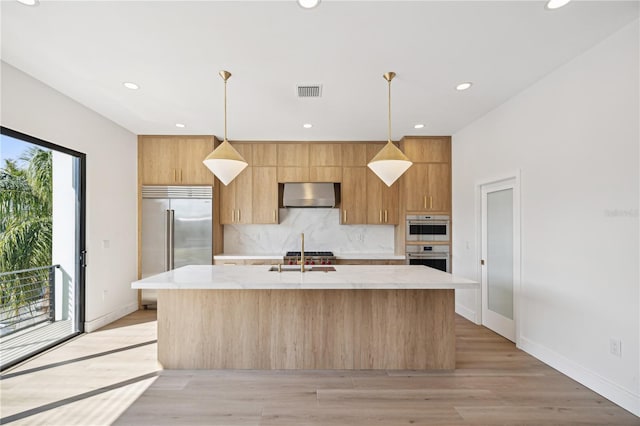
(615, 347)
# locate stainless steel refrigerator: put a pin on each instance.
(176, 230)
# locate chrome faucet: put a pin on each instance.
(302, 254)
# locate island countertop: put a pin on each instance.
(345, 277)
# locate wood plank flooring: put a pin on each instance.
(14, 347)
(112, 377)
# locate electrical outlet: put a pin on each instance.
(615, 347)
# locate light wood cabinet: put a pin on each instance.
(264, 154)
(428, 187)
(354, 154)
(382, 201)
(427, 149)
(236, 198)
(325, 162)
(354, 196)
(174, 160)
(265, 195)
(293, 162)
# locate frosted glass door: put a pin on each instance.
(500, 256)
(500, 252)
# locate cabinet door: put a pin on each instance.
(354, 196)
(430, 149)
(293, 174)
(354, 154)
(325, 154)
(382, 201)
(227, 196)
(244, 196)
(325, 174)
(293, 155)
(264, 154)
(191, 152)
(439, 188)
(265, 195)
(415, 187)
(157, 160)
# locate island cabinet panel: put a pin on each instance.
(313, 329)
(265, 195)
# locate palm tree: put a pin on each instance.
(25, 227)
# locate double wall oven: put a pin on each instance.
(427, 241)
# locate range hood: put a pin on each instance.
(309, 195)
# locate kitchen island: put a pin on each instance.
(356, 317)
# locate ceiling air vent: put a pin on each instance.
(309, 90)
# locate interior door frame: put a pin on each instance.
(514, 180)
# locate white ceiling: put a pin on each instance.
(174, 50)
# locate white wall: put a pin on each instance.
(30, 107)
(322, 232)
(574, 136)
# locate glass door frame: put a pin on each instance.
(80, 232)
(510, 181)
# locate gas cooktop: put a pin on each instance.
(310, 254)
(310, 257)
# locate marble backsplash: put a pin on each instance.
(322, 231)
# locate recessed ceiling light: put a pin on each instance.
(307, 125)
(29, 2)
(556, 4)
(419, 126)
(308, 4)
(464, 86)
(180, 125)
(130, 85)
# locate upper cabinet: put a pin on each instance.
(236, 198)
(427, 183)
(325, 162)
(174, 160)
(293, 162)
(382, 200)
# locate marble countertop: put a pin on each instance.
(258, 277)
(345, 256)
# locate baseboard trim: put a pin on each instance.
(467, 313)
(93, 325)
(613, 392)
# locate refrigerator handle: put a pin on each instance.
(170, 239)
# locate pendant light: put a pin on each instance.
(225, 162)
(390, 163)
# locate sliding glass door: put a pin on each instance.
(42, 245)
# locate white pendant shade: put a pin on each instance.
(389, 164)
(225, 162)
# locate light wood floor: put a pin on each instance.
(111, 377)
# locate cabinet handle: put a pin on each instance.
(274, 216)
(380, 216)
(430, 202)
(344, 216)
(233, 215)
(174, 174)
(425, 201)
(386, 218)
(238, 215)
(180, 175)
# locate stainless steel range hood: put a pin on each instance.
(309, 195)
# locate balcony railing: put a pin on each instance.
(27, 298)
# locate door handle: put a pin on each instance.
(274, 217)
(386, 217)
(238, 215)
(430, 202)
(482, 262)
(380, 216)
(344, 216)
(425, 201)
(171, 239)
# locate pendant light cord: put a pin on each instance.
(225, 109)
(389, 109)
